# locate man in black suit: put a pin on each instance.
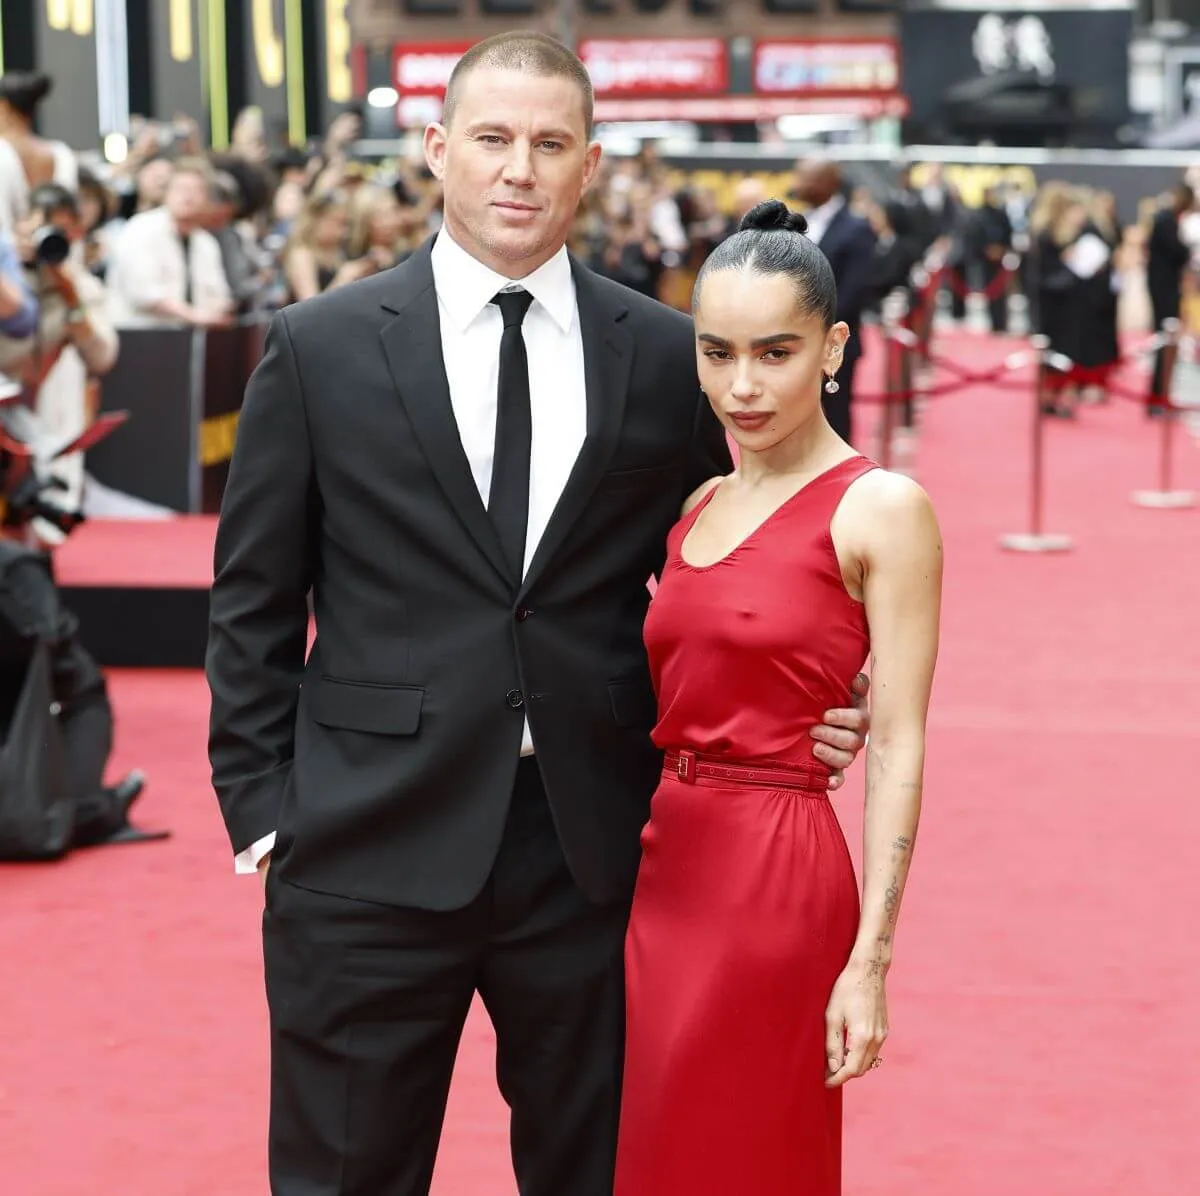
(848, 241)
(1166, 258)
(474, 478)
(989, 235)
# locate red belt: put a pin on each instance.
(688, 766)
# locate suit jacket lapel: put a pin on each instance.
(412, 343)
(607, 359)
(833, 230)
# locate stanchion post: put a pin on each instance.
(1166, 497)
(908, 373)
(895, 308)
(1037, 539)
(926, 300)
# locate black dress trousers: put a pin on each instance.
(367, 1004)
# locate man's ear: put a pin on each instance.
(434, 145)
(591, 164)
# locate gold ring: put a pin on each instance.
(876, 1062)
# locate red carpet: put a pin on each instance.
(163, 553)
(1044, 1035)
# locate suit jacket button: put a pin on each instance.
(515, 699)
(522, 613)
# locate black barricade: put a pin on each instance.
(153, 456)
(184, 388)
(229, 359)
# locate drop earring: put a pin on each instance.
(831, 385)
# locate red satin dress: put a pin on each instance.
(746, 905)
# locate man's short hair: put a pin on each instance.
(193, 165)
(531, 53)
(51, 197)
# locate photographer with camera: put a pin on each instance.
(56, 721)
(72, 342)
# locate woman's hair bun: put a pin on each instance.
(773, 216)
(25, 90)
(40, 86)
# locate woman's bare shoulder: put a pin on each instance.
(887, 508)
(880, 503)
(697, 495)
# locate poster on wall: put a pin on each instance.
(421, 70)
(627, 67)
(1082, 51)
(842, 66)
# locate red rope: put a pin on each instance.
(993, 290)
(1056, 378)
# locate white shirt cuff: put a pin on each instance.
(245, 863)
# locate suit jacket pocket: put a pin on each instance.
(365, 706)
(633, 703)
(635, 479)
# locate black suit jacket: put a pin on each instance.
(849, 244)
(1166, 257)
(386, 760)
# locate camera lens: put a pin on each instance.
(50, 246)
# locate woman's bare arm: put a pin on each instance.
(901, 553)
(902, 586)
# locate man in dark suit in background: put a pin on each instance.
(1166, 259)
(989, 235)
(848, 242)
(474, 477)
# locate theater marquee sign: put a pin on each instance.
(381, 23)
(699, 78)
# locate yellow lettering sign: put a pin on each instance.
(339, 83)
(972, 181)
(217, 436)
(179, 30)
(268, 45)
(75, 15)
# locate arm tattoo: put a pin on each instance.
(891, 899)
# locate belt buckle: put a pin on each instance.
(685, 767)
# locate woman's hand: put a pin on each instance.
(856, 1022)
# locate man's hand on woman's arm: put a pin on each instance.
(843, 734)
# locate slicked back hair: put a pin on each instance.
(772, 240)
(526, 51)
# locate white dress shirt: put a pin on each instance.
(819, 219)
(471, 326)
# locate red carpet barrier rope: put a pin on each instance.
(904, 350)
(953, 278)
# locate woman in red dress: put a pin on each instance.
(755, 982)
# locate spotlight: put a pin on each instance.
(116, 147)
(382, 97)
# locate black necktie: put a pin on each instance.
(508, 502)
(186, 242)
